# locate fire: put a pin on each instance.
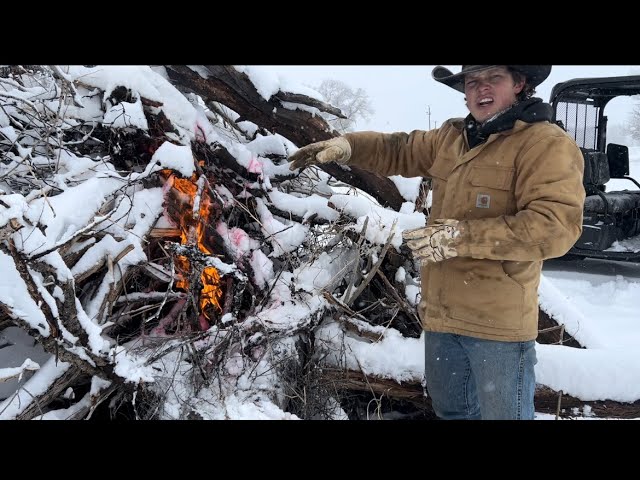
(192, 224)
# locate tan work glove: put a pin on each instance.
(434, 243)
(334, 150)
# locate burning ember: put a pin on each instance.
(193, 223)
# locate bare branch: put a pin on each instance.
(66, 79)
(312, 102)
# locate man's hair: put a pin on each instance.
(527, 91)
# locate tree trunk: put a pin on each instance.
(235, 90)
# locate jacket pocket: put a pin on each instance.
(481, 294)
(492, 177)
(490, 192)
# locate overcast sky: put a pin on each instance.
(402, 95)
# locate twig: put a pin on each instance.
(19, 99)
(148, 297)
(214, 107)
(375, 268)
(402, 302)
(331, 299)
(7, 374)
(560, 392)
(66, 80)
(73, 237)
(371, 390)
(356, 265)
(14, 84)
(33, 290)
(164, 300)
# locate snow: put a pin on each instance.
(175, 157)
(627, 245)
(590, 374)
(597, 302)
(381, 221)
(63, 215)
(131, 367)
(136, 215)
(392, 356)
(297, 106)
(10, 133)
(200, 70)
(248, 400)
(95, 254)
(268, 83)
(36, 385)
(319, 275)
(14, 294)
(282, 312)
(126, 114)
(409, 188)
(303, 207)
(236, 240)
(17, 208)
(256, 163)
(17, 348)
(273, 144)
(284, 236)
(262, 268)
(27, 365)
(67, 413)
(143, 82)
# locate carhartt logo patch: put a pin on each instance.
(483, 201)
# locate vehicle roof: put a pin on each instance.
(597, 90)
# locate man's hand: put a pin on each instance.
(434, 243)
(334, 150)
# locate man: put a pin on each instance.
(507, 194)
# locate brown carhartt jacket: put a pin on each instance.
(519, 198)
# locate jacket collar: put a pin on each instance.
(528, 111)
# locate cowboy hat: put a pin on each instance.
(536, 74)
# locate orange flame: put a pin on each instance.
(191, 227)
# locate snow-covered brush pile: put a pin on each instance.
(154, 242)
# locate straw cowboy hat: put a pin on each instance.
(536, 74)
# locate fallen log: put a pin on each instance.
(546, 399)
(551, 333)
(39, 403)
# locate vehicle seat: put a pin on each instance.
(596, 175)
(617, 202)
(596, 171)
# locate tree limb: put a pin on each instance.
(235, 90)
(312, 102)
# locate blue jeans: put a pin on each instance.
(471, 379)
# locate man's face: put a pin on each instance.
(490, 91)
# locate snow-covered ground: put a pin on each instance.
(597, 300)
(16, 346)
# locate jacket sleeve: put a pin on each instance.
(550, 200)
(407, 154)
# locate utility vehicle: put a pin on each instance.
(611, 225)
